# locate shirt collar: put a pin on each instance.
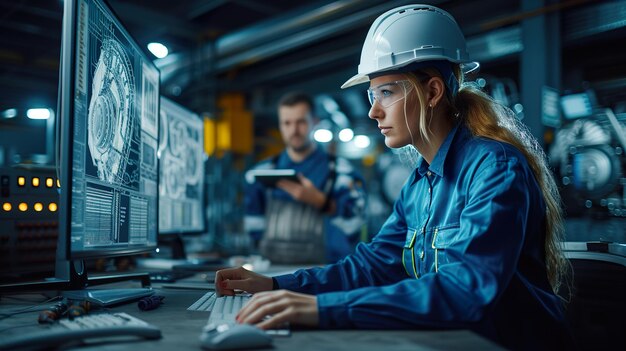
(288, 162)
(440, 157)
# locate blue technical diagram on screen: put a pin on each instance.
(115, 136)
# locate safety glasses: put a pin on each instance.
(388, 94)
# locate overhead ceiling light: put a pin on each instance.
(9, 113)
(346, 135)
(157, 49)
(361, 141)
(323, 135)
(38, 113)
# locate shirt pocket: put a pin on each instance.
(414, 239)
(443, 238)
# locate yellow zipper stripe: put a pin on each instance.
(404, 264)
(433, 246)
(414, 267)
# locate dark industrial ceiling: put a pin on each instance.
(263, 48)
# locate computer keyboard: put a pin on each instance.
(99, 325)
(205, 303)
(224, 310)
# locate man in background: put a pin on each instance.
(316, 219)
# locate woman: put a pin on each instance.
(473, 239)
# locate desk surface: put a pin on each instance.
(181, 329)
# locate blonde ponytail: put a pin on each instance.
(486, 118)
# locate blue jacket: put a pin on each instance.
(342, 229)
(463, 248)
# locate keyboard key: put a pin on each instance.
(205, 303)
(101, 325)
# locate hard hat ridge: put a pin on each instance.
(408, 34)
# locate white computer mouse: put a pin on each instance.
(234, 336)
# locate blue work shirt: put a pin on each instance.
(463, 248)
(342, 228)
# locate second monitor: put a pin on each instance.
(181, 170)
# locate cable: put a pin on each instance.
(27, 309)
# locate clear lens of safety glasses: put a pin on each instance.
(389, 93)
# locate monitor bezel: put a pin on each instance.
(166, 234)
(66, 117)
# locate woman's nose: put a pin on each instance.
(375, 111)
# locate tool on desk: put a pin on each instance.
(53, 314)
(70, 308)
(150, 302)
(78, 308)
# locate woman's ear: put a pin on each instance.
(436, 90)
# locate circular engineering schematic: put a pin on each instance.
(110, 119)
(181, 163)
(174, 165)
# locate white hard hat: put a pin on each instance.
(410, 34)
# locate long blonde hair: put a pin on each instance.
(487, 118)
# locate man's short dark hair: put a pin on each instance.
(294, 98)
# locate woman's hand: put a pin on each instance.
(283, 306)
(227, 280)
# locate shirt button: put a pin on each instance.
(429, 190)
(422, 255)
(428, 173)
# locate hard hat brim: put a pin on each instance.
(467, 67)
(356, 80)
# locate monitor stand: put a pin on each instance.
(176, 244)
(178, 260)
(71, 275)
(107, 297)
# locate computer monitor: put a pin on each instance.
(181, 170)
(108, 106)
(181, 177)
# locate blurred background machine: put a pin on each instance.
(588, 153)
(28, 221)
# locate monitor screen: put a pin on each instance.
(576, 105)
(109, 107)
(181, 169)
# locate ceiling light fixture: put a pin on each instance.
(157, 49)
(38, 113)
